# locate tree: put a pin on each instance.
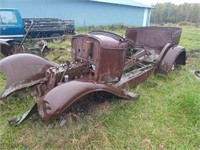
(171, 13)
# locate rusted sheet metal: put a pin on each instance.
(135, 77)
(164, 52)
(4, 42)
(23, 70)
(61, 74)
(102, 62)
(100, 51)
(63, 96)
(6, 46)
(154, 37)
(175, 55)
(108, 34)
(197, 74)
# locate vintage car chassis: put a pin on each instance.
(102, 62)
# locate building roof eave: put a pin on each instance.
(124, 2)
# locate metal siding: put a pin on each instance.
(107, 14)
(145, 17)
(149, 17)
(84, 13)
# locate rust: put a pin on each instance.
(135, 77)
(58, 99)
(7, 46)
(176, 55)
(197, 73)
(102, 62)
(106, 69)
(154, 37)
(23, 70)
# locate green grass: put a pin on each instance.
(165, 116)
(111, 28)
(60, 51)
(190, 38)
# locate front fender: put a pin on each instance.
(63, 96)
(5, 47)
(175, 55)
(23, 70)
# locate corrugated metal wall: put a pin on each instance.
(83, 12)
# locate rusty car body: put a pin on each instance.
(102, 62)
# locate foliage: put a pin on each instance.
(190, 38)
(59, 51)
(171, 13)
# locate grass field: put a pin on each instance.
(165, 116)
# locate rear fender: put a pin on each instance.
(23, 70)
(62, 97)
(175, 55)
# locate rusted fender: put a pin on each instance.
(5, 42)
(63, 96)
(23, 70)
(175, 55)
(5, 47)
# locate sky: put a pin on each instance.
(163, 1)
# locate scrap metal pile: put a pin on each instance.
(103, 62)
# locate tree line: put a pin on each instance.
(172, 13)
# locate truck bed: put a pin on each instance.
(47, 27)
